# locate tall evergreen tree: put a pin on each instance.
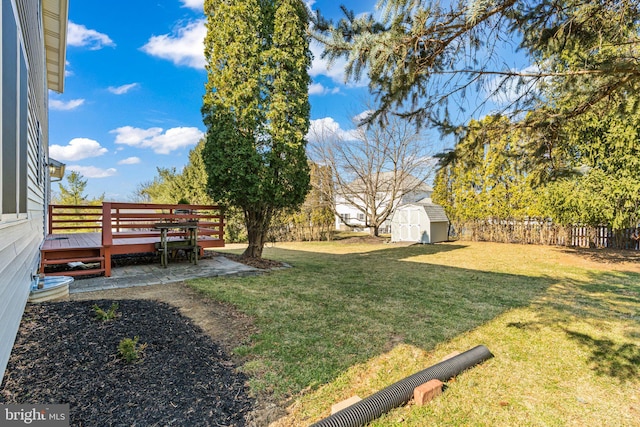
(605, 149)
(256, 108)
(425, 55)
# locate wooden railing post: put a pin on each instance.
(107, 233)
(107, 237)
(50, 220)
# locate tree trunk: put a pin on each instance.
(257, 223)
(374, 230)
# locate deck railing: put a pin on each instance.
(126, 228)
(133, 220)
(74, 219)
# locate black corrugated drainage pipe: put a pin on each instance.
(401, 392)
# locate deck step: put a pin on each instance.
(68, 260)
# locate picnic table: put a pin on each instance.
(189, 243)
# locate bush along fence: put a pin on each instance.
(545, 233)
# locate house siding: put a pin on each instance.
(356, 208)
(22, 232)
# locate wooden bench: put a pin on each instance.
(174, 246)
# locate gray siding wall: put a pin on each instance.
(19, 255)
(21, 234)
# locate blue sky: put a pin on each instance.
(134, 85)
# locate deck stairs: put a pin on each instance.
(92, 258)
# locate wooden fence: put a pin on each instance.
(545, 233)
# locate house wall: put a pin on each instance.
(356, 216)
(23, 156)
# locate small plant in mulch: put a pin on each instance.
(105, 316)
(130, 350)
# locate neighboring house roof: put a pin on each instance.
(55, 15)
(411, 183)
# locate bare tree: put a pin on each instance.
(373, 167)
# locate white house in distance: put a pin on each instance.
(33, 37)
(349, 208)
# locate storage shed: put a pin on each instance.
(420, 222)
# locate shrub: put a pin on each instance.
(129, 350)
(104, 316)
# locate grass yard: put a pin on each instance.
(353, 318)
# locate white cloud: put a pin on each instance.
(320, 67)
(120, 90)
(328, 128)
(67, 69)
(184, 47)
(72, 104)
(362, 116)
(92, 171)
(79, 35)
(320, 89)
(130, 161)
(193, 4)
(506, 92)
(154, 138)
(77, 149)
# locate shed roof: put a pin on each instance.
(435, 212)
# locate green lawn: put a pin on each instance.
(353, 318)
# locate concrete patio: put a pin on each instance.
(155, 274)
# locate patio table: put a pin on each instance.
(189, 244)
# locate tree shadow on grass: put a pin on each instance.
(620, 361)
(333, 311)
(601, 297)
(608, 256)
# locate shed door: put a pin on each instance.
(413, 225)
(403, 225)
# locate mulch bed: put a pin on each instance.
(262, 263)
(63, 354)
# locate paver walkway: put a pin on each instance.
(155, 274)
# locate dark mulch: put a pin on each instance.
(261, 263)
(63, 355)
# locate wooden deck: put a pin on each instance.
(92, 234)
